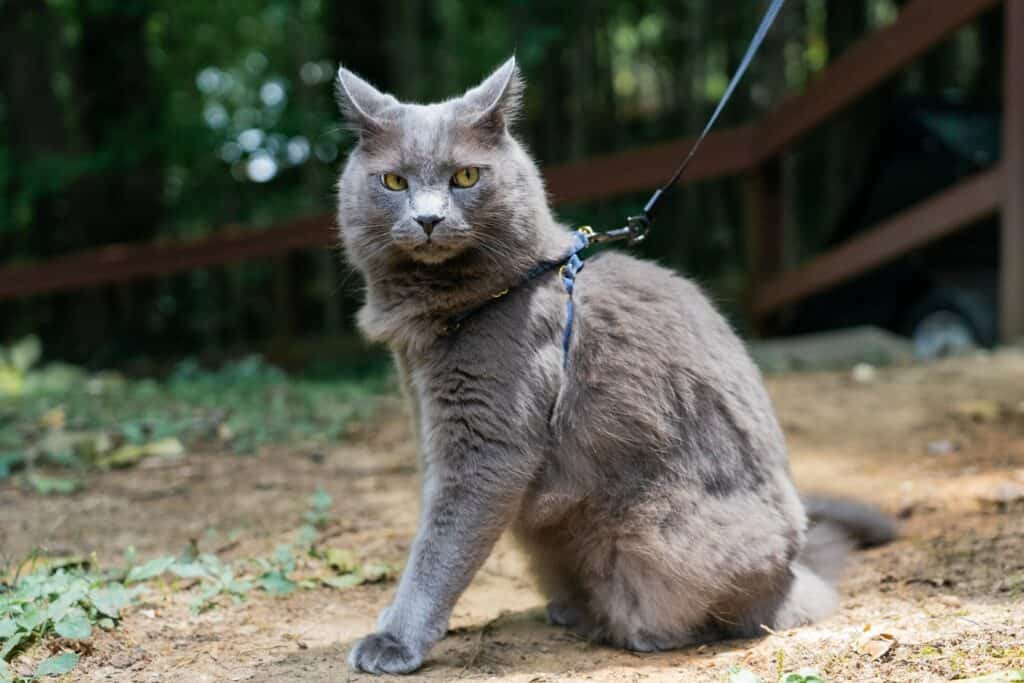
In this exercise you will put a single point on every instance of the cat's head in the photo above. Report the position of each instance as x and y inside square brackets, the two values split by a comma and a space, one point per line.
[429, 184]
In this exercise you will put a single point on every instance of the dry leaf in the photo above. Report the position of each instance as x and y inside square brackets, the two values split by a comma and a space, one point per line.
[978, 410]
[342, 561]
[876, 643]
[53, 419]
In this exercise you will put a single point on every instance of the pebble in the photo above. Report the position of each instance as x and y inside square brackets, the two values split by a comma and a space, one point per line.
[864, 373]
[943, 447]
[1003, 495]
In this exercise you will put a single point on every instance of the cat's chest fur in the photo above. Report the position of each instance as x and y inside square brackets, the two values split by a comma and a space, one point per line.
[501, 368]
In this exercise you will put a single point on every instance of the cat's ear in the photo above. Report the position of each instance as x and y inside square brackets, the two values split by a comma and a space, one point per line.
[496, 102]
[361, 103]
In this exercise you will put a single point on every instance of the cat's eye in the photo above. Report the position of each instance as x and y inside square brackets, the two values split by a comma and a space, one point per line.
[466, 177]
[393, 182]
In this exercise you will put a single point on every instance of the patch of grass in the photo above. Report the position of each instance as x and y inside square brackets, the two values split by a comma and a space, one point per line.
[957, 663]
[61, 417]
[45, 597]
[316, 517]
[303, 565]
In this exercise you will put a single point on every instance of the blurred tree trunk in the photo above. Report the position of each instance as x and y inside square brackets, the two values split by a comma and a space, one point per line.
[845, 24]
[691, 44]
[35, 129]
[115, 91]
[354, 32]
[772, 239]
[122, 200]
[408, 25]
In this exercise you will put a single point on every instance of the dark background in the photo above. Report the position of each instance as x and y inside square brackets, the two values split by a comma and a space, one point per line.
[135, 121]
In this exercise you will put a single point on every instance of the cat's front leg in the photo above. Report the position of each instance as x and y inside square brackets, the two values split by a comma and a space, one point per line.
[470, 495]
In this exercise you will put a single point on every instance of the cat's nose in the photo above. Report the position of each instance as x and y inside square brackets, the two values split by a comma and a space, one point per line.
[428, 222]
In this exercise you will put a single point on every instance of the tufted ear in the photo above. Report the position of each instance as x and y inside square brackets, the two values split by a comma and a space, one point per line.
[496, 102]
[361, 103]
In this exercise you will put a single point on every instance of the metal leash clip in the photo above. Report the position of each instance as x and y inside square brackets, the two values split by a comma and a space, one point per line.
[633, 232]
[638, 226]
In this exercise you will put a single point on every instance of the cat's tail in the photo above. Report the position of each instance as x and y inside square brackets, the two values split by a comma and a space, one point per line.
[836, 528]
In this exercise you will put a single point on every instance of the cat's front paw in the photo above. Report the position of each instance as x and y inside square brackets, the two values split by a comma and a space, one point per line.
[383, 653]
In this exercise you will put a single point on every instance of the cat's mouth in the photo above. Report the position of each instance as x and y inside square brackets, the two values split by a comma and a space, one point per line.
[432, 251]
[438, 247]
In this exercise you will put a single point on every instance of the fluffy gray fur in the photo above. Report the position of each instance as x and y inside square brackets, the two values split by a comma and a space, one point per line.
[646, 477]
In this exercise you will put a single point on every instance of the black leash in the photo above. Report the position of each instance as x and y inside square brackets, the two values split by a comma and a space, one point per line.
[637, 227]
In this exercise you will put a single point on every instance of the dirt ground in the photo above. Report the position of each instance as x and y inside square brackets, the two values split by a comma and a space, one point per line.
[942, 446]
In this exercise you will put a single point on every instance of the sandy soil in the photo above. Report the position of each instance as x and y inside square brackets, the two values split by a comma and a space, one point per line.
[949, 592]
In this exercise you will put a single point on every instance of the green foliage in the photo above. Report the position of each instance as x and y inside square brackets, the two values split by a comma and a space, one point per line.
[62, 598]
[149, 570]
[217, 579]
[802, 676]
[58, 665]
[20, 375]
[53, 485]
[316, 517]
[65, 419]
[274, 579]
[741, 674]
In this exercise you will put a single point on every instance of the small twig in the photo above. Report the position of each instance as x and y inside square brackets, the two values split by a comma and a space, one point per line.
[215, 660]
[227, 546]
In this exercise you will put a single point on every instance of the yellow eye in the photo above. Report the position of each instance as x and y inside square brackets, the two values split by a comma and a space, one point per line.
[466, 177]
[393, 181]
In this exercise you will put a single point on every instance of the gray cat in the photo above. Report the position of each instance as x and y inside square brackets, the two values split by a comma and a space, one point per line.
[642, 469]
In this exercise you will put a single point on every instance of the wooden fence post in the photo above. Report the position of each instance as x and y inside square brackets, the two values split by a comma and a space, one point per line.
[1011, 281]
[766, 248]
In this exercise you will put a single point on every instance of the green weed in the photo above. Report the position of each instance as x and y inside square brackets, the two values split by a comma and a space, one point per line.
[63, 418]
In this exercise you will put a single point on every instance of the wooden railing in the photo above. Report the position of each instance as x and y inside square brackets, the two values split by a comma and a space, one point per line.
[753, 150]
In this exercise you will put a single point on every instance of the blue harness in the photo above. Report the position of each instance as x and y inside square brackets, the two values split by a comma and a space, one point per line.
[570, 268]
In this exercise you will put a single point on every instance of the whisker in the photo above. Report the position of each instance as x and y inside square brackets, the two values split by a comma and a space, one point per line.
[366, 225]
